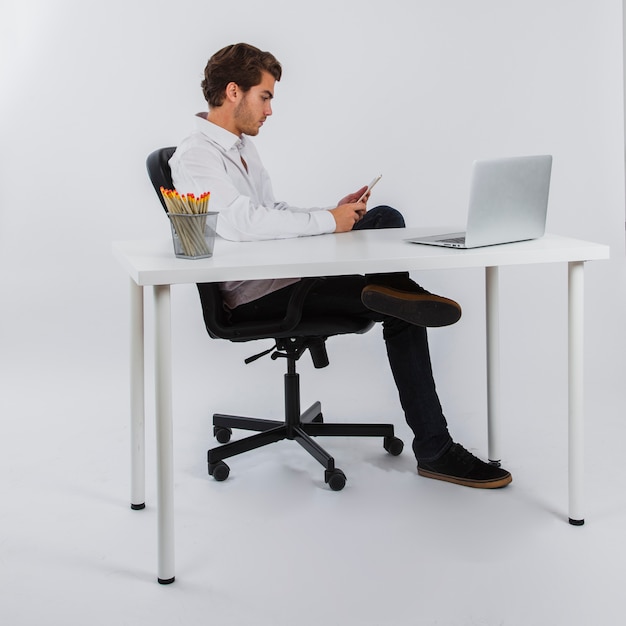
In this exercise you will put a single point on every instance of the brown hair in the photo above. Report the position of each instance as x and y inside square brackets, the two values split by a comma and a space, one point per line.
[239, 63]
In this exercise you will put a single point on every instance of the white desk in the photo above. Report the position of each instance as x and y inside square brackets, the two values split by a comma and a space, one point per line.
[152, 263]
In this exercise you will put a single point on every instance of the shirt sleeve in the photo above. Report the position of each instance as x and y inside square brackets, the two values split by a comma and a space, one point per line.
[241, 217]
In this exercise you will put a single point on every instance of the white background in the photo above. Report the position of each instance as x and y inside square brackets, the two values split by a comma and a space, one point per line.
[415, 90]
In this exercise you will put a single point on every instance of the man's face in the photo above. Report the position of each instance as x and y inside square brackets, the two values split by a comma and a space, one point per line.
[255, 106]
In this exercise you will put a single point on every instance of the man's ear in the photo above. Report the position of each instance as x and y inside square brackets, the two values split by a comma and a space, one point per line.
[232, 91]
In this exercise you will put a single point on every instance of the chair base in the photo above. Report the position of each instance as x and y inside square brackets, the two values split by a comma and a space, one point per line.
[310, 424]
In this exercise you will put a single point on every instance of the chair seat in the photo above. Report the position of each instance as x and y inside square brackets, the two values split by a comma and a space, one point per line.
[319, 327]
[219, 325]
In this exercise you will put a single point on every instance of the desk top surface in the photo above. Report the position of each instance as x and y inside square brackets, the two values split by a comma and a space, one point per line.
[152, 262]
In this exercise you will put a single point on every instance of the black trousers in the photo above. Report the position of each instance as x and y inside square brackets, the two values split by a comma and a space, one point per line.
[407, 345]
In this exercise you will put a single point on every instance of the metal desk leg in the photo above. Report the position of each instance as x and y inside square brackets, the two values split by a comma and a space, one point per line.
[137, 404]
[575, 383]
[493, 364]
[165, 465]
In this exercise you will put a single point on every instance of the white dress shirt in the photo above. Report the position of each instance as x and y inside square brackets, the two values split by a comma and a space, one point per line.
[215, 160]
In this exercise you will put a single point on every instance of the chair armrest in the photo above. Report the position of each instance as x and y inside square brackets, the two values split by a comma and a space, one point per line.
[293, 315]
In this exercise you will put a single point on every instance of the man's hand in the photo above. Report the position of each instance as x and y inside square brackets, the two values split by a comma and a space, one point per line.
[349, 210]
[354, 197]
[347, 215]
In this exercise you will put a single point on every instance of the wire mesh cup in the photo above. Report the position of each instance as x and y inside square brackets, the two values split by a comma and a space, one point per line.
[193, 234]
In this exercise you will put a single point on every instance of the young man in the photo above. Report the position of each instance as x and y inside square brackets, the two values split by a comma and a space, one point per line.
[239, 83]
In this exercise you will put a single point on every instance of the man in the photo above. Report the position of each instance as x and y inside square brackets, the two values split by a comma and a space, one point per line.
[239, 86]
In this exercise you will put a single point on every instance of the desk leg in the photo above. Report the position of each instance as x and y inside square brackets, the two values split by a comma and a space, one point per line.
[575, 383]
[492, 296]
[165, 465]
[137, 404]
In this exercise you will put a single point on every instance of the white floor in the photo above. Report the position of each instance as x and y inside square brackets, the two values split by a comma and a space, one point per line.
[273, 546]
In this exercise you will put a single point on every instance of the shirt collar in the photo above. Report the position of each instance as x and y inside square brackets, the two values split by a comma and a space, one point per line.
[219, 135]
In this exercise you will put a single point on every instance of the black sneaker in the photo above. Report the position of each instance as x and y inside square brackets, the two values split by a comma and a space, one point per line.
[459, 466]
[418, 307]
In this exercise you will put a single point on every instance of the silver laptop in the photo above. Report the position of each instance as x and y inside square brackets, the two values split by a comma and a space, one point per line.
[508, 202]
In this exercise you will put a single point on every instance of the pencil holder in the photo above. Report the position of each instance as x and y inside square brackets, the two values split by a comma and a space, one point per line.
[193, 234]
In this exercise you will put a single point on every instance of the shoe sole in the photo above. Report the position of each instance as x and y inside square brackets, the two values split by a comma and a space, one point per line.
[467, 482]
[433, 312]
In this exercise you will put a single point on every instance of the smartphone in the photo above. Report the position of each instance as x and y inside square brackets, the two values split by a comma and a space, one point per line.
[370, 187]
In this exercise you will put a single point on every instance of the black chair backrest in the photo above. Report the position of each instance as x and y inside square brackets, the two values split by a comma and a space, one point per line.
[159, 171]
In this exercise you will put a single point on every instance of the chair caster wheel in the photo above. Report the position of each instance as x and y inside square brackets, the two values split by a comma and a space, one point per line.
[393, 445]
[222, 433]
[219, 470]
[336, 479]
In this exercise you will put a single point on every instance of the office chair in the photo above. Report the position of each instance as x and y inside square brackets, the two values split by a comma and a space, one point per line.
[292, 336]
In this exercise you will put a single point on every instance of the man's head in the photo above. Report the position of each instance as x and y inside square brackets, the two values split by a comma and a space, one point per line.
[241, 64]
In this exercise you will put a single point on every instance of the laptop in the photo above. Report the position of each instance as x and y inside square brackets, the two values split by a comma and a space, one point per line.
[508, 202]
